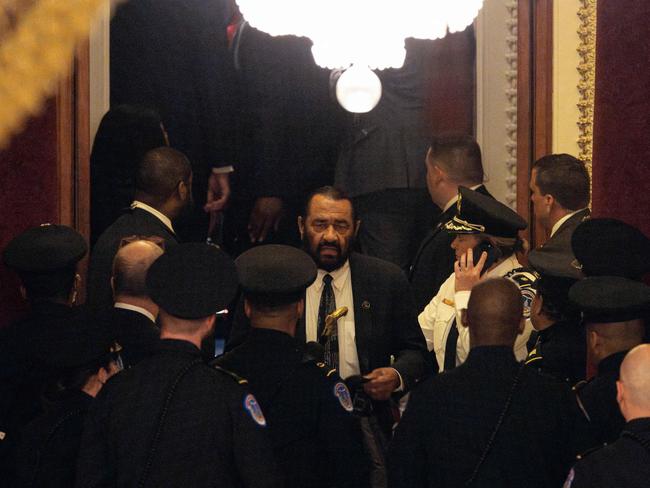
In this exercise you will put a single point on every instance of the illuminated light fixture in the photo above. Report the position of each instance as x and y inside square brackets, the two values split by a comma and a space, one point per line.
[367, 34]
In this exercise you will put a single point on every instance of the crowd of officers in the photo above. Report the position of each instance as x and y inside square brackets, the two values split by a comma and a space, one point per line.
[133, 396]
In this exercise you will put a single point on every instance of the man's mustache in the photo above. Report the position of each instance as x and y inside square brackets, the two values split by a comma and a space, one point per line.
[332, 245]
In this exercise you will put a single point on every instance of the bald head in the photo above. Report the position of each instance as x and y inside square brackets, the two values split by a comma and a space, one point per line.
[494, 313]
[130, 268]
[634, 383]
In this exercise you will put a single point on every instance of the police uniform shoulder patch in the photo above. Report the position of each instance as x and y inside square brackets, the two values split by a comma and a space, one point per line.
[342, 393]
[234, 376]
[526, 280]
[254, 410]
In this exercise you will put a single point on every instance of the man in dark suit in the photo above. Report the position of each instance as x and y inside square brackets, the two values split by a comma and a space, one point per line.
[172, 55]
[163, 193]
[380, 163]
[559, 185]
[491, 421]
[381, 321]
[451, 161]
[287, 137]
[133, 318]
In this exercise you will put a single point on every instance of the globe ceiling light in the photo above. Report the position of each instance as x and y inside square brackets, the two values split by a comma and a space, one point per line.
[364, 33]
[358, 89]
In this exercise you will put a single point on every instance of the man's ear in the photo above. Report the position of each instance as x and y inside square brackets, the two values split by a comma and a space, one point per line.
[182, 189]
[620, 392]
[593, 339]
[300, 307]
[463, 318]
[536, 306]
[113, 286]
[247, 306]
[301, 227]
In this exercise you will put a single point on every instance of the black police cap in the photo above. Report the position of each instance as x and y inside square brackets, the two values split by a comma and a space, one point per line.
[477, 213]
[610, 247]
[192, 280]
[48, 247]
[605, 299]
[73, 342]
[558, 263]
[556, 276]
[275, 269]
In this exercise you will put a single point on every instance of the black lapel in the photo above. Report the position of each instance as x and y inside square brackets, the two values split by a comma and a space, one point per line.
[362, 313]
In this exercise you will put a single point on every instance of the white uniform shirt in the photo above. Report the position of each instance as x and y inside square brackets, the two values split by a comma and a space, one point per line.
[438, 317]
[342, 286]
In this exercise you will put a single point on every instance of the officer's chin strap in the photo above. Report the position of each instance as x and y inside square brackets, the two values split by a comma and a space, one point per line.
[502, 417]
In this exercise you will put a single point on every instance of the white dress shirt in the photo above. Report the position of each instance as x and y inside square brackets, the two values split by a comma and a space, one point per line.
[159, 215]
[559, 223]
[342, 287]
[135, 308]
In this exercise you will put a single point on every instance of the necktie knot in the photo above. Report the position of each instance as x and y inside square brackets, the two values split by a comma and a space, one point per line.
[327, 279]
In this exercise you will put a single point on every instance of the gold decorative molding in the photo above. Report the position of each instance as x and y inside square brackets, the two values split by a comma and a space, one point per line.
[38, 41]
[587, 83]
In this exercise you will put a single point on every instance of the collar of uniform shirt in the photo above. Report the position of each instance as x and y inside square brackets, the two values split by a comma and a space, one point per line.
[338, 276]
[559, 223]
[135, 308]
[455, 199]
[159, 215]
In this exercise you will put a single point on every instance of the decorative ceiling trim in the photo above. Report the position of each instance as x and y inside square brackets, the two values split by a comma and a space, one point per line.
[511, 107]
[587, 83]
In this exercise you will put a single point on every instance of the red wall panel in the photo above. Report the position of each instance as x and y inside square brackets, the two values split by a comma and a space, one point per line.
[621, 168]
[29, 194]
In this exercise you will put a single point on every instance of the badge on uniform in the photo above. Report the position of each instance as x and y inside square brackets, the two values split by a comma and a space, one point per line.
[343, 394]
[253, 408]
[526, 281]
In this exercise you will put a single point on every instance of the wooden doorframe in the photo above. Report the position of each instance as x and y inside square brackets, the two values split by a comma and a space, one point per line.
[73, 148]
[534, 100]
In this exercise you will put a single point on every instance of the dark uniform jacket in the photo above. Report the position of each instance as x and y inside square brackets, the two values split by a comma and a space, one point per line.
[559, 351]
[212, 431]
[625, 463]
[136, 333]
[597, 400]
[451, 417]
[434, 260]
[49, 446]
[385, 321]
[307, 407]
[134, 222]
[22, 374]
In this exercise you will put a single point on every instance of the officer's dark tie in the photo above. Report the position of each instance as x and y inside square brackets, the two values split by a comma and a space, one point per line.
[327, 306]
[450, 347]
